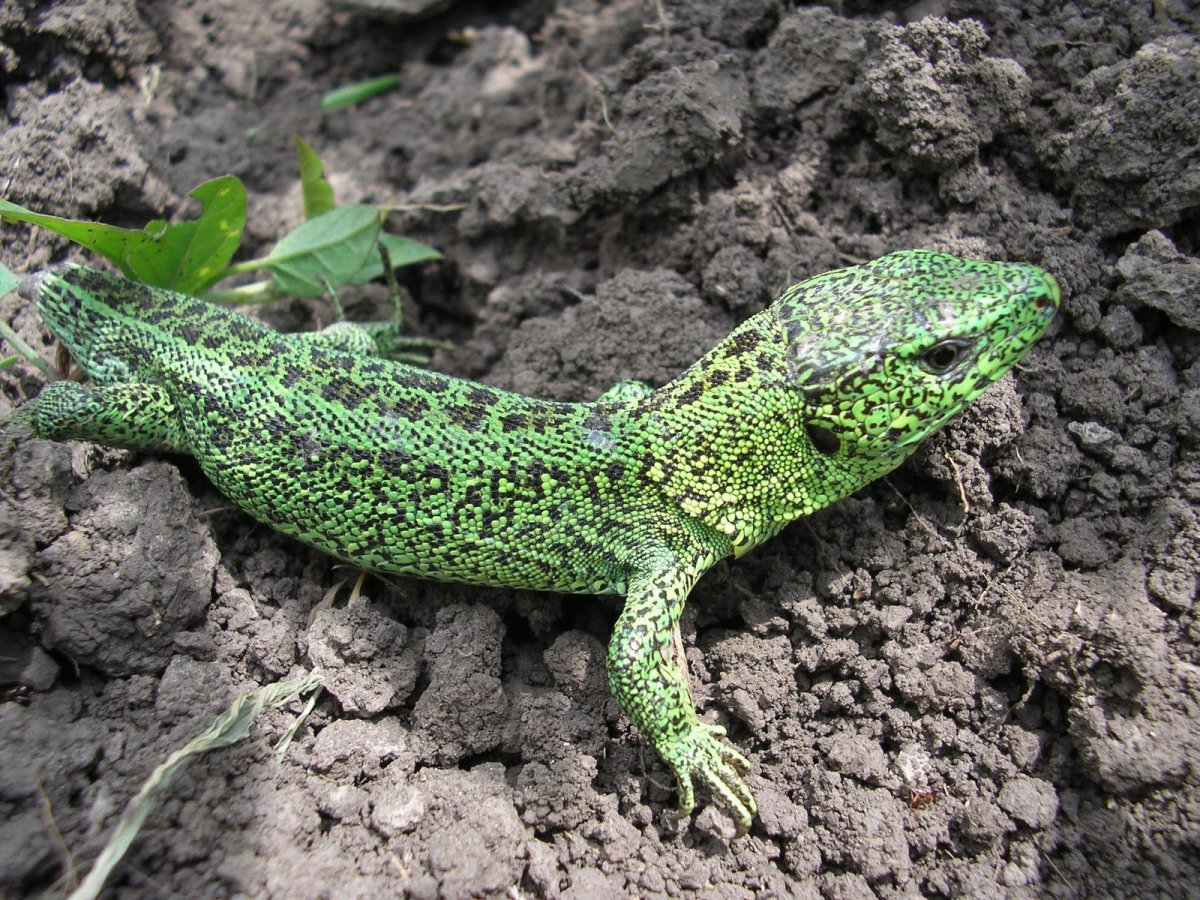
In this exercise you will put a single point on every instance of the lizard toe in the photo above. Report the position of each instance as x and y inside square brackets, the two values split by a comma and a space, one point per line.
[701, 756]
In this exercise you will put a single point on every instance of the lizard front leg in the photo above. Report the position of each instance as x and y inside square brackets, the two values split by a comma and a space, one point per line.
[653, 691]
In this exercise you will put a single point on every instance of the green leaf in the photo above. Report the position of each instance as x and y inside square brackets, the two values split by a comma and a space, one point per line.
[8, 280]
[401, 251]
[333, 246]
[9, 362]
[353, 94]
[107, 240]
[318, 193]
[187, 256]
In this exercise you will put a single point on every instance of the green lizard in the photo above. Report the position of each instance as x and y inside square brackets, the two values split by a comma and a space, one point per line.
[398, 469]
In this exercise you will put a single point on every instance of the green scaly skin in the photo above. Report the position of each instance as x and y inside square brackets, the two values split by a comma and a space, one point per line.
[397, 469]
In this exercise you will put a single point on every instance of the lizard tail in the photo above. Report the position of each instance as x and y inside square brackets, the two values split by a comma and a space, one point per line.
[92, 313]
[65, 311]
[109, 323]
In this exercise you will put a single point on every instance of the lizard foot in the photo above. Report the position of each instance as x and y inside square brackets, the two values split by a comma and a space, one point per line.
[701, 756]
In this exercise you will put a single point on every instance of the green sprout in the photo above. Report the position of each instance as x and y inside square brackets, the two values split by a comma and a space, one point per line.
[334, 246]
[353, 94]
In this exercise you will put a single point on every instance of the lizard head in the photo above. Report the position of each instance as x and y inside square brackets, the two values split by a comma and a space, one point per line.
[886, 353]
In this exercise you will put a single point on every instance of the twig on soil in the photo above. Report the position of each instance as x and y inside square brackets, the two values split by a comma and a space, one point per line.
[785, 218]
[378, 576]
[427, 207]
[837, 567]
[1058, 871]
[594, 84]
[921, 520]
[958, 480]
[330, 595]
[70, 872]
[205, 513]
[399, 866]
[11, 170]
[161, 888]
[572, 293]
[662, 25]
[977, 600]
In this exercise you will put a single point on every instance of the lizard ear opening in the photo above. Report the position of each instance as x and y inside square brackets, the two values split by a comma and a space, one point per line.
[826, 442]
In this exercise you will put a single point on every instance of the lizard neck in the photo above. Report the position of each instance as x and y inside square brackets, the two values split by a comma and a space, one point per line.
[725, 442]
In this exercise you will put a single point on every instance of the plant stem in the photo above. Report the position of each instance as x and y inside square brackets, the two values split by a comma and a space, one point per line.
[257, 292]
[246, 265]
[27, 352]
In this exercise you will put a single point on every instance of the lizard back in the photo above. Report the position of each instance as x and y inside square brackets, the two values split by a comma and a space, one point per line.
[393, 467]
[403, 470]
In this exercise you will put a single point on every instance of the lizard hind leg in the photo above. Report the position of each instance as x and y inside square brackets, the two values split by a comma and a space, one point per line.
[379, 339]
[385, 340]
[390, 343]
[382, 339]
[134, 416]
[653, 691]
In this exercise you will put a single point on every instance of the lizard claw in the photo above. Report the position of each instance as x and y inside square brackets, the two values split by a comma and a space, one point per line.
[700, 756]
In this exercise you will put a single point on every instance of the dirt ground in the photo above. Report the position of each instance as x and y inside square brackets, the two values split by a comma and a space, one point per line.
[979, 677]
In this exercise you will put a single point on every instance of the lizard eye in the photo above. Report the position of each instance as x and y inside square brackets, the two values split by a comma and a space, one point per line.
[944, 356]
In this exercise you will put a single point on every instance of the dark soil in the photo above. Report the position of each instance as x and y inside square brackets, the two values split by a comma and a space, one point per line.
[979, 677]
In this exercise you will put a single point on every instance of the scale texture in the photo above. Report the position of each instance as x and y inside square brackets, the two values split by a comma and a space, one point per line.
[398, 469]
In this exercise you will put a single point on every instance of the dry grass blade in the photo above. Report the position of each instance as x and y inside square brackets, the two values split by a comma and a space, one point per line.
[230, 727]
